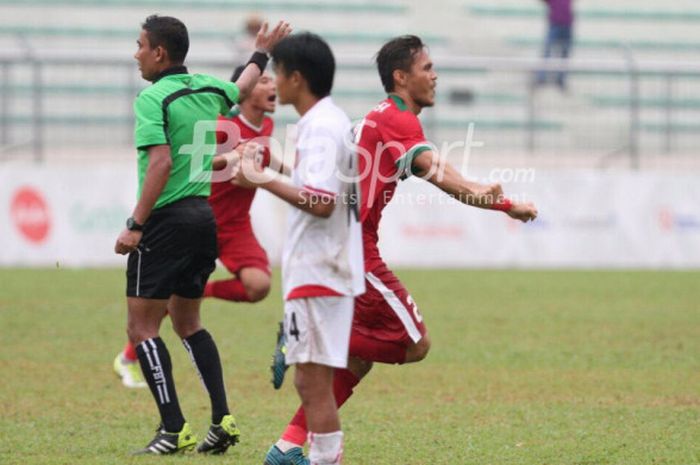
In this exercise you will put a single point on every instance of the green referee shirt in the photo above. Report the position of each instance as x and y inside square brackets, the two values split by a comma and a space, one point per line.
[167, 112]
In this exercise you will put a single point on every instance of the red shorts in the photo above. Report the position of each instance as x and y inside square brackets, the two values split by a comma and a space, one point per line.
[386, 310]
[240, 249]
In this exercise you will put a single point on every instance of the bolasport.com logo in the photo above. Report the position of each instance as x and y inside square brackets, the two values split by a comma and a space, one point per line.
[29, 213]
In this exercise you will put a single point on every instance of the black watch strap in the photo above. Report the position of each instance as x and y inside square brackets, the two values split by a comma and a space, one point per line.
[132, 225]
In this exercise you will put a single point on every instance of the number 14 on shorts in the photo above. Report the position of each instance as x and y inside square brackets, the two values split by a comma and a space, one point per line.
[318, 330]
[290, 325]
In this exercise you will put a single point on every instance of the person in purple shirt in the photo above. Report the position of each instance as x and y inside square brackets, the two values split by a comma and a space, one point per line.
[559, 38]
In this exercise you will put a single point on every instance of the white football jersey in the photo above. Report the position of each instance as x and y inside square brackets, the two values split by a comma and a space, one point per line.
[323, 256]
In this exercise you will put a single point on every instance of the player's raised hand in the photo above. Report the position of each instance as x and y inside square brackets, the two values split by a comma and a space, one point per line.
[266, 40]
[523, 211]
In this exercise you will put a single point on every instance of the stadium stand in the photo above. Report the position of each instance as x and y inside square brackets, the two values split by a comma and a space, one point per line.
[97, 94]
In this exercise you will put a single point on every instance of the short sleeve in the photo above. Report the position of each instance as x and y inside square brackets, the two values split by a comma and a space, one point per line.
[232, 94]
[149, 128]
[404, 140]
[319, 157]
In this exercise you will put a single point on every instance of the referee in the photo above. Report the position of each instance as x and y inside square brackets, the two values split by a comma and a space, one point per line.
[171, 235]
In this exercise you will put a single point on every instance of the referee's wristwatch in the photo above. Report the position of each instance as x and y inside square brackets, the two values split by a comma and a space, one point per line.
[132, 225]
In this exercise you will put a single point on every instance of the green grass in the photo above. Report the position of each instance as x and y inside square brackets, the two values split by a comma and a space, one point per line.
[526, 368]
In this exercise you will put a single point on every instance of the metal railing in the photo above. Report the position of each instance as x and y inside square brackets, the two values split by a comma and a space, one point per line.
[39, 70]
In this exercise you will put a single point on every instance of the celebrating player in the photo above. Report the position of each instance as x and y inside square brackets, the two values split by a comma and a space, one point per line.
[239, 249]
[322, 260]
[387, 325]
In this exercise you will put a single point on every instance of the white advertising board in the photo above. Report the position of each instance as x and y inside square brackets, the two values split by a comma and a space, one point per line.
[71, 215]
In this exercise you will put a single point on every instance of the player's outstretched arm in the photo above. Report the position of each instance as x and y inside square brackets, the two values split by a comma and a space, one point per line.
[437, 171]
[310, 202]
[265, 41]
[429, 166]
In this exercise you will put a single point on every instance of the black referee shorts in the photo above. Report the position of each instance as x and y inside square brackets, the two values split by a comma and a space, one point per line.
[177, 252]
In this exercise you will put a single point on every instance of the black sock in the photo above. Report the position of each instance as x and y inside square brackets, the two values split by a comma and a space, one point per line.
[157, 368]
[205, 357]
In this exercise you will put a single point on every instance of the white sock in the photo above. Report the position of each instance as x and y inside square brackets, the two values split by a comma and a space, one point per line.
[284, 446]
[326, 448]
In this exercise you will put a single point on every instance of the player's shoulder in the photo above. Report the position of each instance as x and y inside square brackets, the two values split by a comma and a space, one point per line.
[230, 117]
[268, 125]
[154, 91]
[329, 117]
[227, 89]
[150, 99]
[328, 109]
[392, 113]
[391, 108]
[207, 80]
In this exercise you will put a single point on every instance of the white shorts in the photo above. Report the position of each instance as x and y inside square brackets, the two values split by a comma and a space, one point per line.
[318, 330]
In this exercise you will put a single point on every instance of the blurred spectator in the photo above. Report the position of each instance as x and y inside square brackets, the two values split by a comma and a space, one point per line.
[558, 41]
[244, 44]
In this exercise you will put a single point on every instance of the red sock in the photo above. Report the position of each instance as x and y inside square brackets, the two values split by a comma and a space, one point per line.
[343, 383]
[129, 352]
[228, 289]
[374, 350]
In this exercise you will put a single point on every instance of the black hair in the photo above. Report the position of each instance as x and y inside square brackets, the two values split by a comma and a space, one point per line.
[169, 33]
[237, 73]
[311, 56]
[398, 53]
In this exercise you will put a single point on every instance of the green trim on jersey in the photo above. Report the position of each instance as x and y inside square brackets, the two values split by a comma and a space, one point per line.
[404, 165]
[399, 102]
[167, 113]
[235, 111]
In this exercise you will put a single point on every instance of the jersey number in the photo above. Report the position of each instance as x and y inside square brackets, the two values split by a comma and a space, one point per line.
[293, 328]
[414, 309]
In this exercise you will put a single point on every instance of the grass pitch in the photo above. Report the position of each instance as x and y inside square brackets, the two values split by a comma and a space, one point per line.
[527, 368]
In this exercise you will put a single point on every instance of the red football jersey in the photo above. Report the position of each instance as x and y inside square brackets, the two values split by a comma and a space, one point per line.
[231, 204]
[389, 138]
